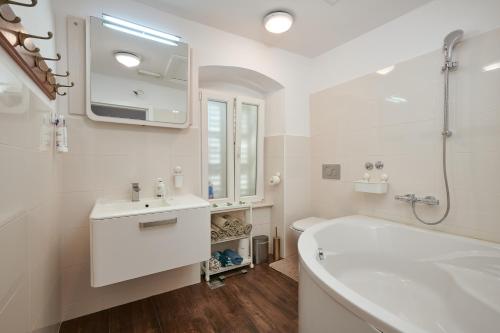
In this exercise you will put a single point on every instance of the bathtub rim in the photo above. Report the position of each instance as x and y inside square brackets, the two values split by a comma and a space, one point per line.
[360, 306]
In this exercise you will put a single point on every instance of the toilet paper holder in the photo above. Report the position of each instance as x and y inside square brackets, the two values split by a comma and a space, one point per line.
[275, 180]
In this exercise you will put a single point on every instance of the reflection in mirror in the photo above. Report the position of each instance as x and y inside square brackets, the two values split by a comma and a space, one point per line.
[137, 75]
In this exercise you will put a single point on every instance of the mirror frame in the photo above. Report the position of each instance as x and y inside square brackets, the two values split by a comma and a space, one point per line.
[91, 115]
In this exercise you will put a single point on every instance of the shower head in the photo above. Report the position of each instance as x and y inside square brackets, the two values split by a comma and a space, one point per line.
[449, 42]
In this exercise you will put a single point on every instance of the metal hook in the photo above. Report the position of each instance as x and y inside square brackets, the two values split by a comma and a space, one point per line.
[72, 84]
[40, 59]
[57, 58]
[57, 86]
[16, 19]
[21, 38]
[10, 2]
[62, 75]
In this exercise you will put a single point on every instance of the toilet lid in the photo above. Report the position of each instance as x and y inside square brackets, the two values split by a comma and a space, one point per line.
[302, 225]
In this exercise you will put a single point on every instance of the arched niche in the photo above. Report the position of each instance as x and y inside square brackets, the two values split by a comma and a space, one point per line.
[248, 82]
[249, 79]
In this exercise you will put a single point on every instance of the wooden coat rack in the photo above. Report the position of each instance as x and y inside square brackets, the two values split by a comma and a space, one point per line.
[19, 45]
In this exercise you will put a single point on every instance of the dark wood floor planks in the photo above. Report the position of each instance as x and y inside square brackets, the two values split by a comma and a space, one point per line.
[135, 317]
[96, 322]
[262, 300]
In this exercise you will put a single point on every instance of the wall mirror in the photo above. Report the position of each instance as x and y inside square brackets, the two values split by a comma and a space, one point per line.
[136, 75]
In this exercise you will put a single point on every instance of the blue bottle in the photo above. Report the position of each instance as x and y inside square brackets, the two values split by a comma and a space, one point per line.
[210, 191]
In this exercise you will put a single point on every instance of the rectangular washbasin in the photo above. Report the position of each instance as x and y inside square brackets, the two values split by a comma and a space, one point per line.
[105, 209]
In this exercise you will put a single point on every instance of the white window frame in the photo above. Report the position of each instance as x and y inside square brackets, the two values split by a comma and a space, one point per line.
[234, 104]
[229, 100]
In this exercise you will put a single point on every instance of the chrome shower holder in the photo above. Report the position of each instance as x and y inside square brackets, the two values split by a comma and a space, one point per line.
[449, 65]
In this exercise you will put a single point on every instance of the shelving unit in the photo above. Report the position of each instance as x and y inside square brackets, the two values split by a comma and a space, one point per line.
[244, 211]
[229, 239]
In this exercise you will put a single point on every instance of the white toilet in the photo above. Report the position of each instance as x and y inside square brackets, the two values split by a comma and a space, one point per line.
[301, 225]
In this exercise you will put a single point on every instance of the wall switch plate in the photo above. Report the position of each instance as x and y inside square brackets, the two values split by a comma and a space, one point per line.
[331, 171]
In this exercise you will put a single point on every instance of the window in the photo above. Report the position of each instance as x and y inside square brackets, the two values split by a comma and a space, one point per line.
[233, 147]
[217, 148]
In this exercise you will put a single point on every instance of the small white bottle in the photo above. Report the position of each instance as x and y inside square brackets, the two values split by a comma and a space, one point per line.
[160, 189]
[178, 177]
[366, 177]
[61, 136]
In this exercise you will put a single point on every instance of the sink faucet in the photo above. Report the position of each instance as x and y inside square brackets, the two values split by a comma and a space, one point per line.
[135, 191]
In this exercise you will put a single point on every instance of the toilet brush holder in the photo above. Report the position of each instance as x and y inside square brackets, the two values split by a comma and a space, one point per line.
[276, 246]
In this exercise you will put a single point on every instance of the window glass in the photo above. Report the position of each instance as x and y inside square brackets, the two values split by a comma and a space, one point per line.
[248, 128]
[217, 149]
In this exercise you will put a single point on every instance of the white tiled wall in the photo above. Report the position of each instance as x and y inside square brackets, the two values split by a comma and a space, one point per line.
[353, 123]
[273, 163]
[288, 155]
[297, 187]
[29, 227]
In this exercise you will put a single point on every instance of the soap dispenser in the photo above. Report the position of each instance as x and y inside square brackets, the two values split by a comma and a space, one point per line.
[160, 188]
[178, 177]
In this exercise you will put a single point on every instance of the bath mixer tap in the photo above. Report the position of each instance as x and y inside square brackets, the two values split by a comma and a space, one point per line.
[429, 200]
[135, 191]
[412, 198]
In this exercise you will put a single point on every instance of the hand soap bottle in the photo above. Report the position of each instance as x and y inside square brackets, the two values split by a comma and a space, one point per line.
[160, 190]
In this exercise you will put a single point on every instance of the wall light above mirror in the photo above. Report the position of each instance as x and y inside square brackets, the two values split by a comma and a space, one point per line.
[136, 75]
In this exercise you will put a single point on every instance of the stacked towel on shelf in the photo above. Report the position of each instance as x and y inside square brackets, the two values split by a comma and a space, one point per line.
[227, 226]
[222, 258]
[235, 258]
[214, 264]
[221, 221]
[217, 233]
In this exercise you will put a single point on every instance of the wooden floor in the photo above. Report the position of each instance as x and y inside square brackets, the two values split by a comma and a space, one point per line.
[262, 300]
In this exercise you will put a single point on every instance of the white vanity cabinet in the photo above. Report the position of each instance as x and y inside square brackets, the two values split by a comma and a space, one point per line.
[142, 242]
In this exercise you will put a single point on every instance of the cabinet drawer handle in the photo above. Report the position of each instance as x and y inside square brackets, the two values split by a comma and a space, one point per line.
[144, 225]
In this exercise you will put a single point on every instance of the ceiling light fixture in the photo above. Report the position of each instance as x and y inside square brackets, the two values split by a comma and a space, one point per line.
[278, 22]
[127, 59]
[396, 99]
[491, 67]
[385, 71]
[139, 30]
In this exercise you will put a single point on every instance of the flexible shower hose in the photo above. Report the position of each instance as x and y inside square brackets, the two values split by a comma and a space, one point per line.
[448, 203]
[445, 134]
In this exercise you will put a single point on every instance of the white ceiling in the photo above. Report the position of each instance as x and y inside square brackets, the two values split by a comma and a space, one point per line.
[320, 25]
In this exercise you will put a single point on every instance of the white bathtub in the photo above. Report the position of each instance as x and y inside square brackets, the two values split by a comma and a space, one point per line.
[380, 276]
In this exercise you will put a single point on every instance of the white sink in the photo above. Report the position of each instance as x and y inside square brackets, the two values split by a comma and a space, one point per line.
[105, 209]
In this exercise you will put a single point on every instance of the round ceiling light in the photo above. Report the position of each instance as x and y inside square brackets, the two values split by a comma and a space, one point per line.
[127, 59]
[278, 22]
